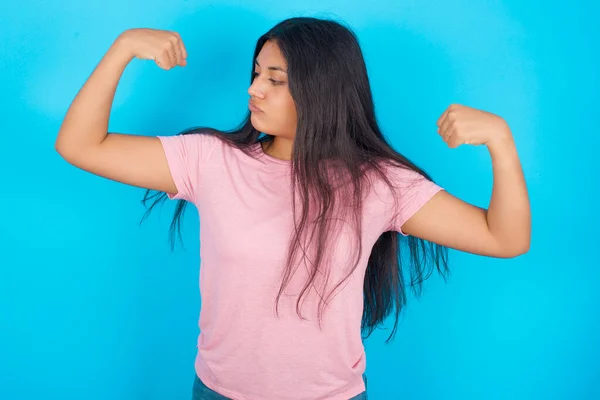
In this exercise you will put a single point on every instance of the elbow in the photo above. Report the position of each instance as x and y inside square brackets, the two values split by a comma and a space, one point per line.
[66, 150]
[63, 153]
[59, 146]
[64, 144]
[516, 250]
[519, 252]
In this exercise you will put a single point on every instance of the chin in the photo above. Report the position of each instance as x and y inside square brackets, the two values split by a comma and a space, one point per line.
[262, 127]
[258, 125]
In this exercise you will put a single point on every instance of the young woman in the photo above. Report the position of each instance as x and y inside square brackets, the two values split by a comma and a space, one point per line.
[304, 208]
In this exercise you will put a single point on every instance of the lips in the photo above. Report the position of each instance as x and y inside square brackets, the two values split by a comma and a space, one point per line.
[253, 107]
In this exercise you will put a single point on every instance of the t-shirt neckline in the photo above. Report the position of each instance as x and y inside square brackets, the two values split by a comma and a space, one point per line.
[271, 158]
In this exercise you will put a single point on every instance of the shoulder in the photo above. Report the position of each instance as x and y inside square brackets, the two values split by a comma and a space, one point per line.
[194, 142]
[399, 176]
[407, 186]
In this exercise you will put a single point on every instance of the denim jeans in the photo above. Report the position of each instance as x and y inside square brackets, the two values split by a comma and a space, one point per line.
[201, 392]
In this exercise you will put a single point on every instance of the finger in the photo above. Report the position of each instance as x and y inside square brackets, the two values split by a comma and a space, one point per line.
[182, 48]
[446, 125]
[445, 135]
[162, 62]
[174, 54]
[442, 117]
[169, 56]
[453, 141]
[175, 57]
[183, 54]
[177, 54]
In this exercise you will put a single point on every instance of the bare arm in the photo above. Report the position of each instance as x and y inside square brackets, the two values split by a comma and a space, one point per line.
[83, 139]
[504, 229]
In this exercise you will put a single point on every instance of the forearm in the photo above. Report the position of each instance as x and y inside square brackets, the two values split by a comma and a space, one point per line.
[509, 215]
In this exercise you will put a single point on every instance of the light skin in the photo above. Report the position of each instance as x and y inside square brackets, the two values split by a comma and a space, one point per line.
[502, 230]
[270, 92]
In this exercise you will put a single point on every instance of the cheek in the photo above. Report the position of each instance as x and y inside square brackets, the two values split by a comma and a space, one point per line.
[290, 111]
[284, 111]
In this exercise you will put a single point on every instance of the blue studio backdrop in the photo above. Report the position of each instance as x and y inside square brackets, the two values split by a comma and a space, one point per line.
[95, 306]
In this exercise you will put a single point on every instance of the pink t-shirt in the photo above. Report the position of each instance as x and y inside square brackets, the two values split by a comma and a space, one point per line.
[244, 351]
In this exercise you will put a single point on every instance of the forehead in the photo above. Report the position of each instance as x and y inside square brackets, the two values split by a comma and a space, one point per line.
[270, 54]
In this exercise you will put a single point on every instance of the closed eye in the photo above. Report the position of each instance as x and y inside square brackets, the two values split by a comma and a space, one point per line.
[273, 81]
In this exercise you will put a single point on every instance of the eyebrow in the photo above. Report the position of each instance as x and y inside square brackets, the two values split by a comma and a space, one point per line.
[275, 68]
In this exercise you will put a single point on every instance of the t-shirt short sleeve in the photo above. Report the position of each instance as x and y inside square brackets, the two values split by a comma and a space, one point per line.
[413, 191]
[187, 156]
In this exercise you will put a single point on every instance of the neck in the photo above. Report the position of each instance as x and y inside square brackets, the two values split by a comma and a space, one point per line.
[279, 147]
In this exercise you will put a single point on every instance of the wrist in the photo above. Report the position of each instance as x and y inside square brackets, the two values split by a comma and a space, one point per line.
[503, 151]
[503, 138]
[121, 47]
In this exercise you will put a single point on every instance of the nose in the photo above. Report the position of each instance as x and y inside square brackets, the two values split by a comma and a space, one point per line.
[255, 91]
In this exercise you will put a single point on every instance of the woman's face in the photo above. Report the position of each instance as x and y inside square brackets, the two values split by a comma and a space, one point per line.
[271, 104]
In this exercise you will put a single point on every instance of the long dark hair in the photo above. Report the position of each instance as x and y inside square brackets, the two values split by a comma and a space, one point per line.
[336, 121]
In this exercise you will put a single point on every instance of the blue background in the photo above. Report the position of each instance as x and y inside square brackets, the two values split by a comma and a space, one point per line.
[95, 306]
